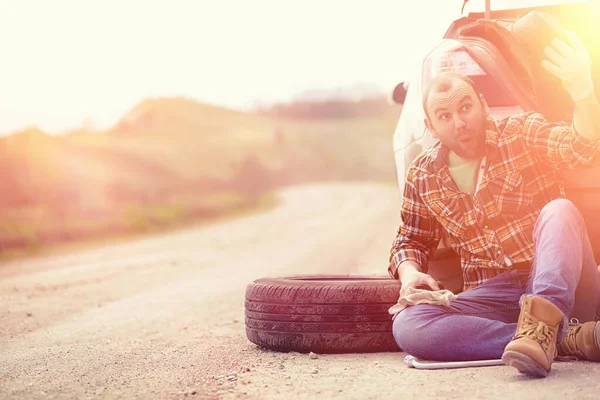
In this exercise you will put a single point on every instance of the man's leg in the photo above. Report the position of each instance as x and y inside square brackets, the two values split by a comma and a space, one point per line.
[476, 326]
[564, 270]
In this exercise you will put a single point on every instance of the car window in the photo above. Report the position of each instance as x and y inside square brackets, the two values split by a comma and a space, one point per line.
[450, 55]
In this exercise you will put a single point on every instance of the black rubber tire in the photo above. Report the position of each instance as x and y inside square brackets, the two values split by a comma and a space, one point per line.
[322, 313]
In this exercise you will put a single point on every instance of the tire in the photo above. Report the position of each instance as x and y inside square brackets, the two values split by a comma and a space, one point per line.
[322, 313]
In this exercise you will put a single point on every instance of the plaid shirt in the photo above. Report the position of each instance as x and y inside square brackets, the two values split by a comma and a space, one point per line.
[492, 229]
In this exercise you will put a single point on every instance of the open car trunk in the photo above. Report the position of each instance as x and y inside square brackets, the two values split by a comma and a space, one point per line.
[520, 35]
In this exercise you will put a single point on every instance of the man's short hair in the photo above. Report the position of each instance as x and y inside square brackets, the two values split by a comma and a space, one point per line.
[442, 82]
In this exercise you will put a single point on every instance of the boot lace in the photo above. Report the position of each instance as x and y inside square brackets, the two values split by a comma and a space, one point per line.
[567, 349]
[536, 330]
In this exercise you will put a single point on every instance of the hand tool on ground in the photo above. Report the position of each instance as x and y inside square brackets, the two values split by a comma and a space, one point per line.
[413, 362]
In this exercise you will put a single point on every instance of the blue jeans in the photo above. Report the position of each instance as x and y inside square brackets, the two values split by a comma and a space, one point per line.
[481, 321]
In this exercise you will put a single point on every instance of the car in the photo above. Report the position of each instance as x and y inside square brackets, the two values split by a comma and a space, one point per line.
[497, 54]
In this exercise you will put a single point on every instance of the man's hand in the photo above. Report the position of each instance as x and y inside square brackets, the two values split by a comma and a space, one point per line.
[570, 63]
[417, 279]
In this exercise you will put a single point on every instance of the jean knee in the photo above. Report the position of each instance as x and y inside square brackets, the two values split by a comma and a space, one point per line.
[561, 208]
[409, 327]
[559, 213]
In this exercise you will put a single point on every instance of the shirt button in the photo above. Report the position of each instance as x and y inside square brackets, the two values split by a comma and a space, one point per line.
[499, 251]
[485, 226]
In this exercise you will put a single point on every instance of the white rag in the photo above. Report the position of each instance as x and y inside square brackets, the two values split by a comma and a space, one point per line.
[422, 296]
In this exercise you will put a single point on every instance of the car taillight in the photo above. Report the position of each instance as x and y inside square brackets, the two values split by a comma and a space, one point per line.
[450, 56]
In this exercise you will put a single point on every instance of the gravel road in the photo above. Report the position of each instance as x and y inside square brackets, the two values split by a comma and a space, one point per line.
[163, 317]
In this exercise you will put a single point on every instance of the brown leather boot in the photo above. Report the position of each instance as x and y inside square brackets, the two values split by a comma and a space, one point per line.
[533, 347]
[581, 343]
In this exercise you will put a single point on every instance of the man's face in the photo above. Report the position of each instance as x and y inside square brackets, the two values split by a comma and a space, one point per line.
[457, 117]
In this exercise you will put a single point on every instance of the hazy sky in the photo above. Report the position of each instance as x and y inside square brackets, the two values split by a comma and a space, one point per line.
[68, 60]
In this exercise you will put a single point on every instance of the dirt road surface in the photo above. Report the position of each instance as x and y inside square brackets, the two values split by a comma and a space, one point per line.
[163, 317]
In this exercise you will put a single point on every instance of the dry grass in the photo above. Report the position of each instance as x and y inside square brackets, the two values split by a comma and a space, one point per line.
[171, 161]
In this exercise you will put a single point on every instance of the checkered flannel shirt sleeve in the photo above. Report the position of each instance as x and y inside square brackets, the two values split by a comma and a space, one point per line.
[419, 232]
[561, 145]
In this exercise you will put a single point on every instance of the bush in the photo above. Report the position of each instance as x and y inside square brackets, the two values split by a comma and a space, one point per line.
[251, 178]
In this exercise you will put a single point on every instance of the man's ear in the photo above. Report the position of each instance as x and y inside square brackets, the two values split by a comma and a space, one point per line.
[429, 127]
[484, 104]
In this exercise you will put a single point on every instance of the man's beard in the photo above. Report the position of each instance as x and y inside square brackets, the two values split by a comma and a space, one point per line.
[475, 147]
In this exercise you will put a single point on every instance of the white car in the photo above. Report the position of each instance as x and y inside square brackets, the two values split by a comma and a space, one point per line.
[497, 54]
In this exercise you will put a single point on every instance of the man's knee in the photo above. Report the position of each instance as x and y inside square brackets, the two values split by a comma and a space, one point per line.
[559, 211]
[409, 327]
[561, 208]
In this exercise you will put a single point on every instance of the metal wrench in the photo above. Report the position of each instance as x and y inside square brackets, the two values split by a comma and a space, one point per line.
[413, 362]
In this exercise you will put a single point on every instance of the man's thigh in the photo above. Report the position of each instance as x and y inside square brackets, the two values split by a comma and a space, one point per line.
[497, 298]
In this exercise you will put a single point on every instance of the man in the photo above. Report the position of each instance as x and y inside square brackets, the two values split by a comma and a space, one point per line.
[494, 189]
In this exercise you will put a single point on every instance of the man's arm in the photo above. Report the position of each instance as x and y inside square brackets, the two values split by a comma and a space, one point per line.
[562, 145]
[418, 235]
[571, 63]
[586, 118]
[578, 144]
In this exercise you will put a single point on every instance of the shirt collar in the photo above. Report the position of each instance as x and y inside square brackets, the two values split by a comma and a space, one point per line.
[491, 144]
